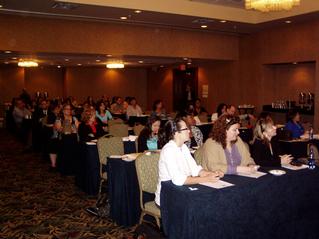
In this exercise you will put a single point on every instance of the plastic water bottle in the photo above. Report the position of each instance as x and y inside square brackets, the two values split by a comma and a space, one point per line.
[311, 160]
[310, 134]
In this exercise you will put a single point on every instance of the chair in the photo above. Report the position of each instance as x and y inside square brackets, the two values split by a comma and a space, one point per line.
[147, 175]
[106, 147]
[115, 121]
[198, 155]
[137, 129]
[118, 130]
[203, 117]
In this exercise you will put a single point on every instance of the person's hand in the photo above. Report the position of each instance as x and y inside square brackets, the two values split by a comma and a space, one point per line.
[285, 159]
[247, 169]
[220, 173]
[210, 178]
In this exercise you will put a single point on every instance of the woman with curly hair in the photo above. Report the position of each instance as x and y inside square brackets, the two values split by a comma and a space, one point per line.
[225, 151]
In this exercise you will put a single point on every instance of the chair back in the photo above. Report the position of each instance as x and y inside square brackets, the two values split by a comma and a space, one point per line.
[147, 171]
[118, 130]
[198, 155]
[138, 128]
[115, 121]
[203, 117]
[108, 146]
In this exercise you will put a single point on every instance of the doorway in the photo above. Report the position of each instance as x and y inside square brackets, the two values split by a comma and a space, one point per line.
[185, 83]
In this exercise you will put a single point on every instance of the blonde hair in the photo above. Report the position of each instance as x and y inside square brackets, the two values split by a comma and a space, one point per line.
[260, 128]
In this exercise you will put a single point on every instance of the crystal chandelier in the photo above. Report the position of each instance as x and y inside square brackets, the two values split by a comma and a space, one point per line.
[27, 64]
[271, 5]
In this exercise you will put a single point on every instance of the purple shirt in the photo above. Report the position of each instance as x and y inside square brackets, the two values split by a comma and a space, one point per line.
[233, 159]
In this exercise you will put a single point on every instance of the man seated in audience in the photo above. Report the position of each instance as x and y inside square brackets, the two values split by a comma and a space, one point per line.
[117, 106]
[133, 108]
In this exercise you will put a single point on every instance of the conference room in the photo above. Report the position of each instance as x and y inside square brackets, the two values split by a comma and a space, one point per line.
[92, 93]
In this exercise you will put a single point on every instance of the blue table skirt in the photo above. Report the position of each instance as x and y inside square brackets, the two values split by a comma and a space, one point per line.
[268, 207]
[88, 176]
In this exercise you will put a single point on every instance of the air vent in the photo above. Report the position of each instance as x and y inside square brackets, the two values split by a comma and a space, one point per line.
[64, 6]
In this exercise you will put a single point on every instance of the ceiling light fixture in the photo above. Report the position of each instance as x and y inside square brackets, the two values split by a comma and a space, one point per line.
[203, 26]
[97, 60]
[287, 21]
[123, 18]
[140, 62]
[271, 5]
[7, 52]
[79, 64]
[222, 21]
[109, 55]
[66, 59]
[137, 11]
[14, 58]
[28, 64]
[58, 66]
[1, 6]
[115, 65]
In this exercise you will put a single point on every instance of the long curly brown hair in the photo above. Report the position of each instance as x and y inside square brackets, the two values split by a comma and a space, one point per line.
[222, 124]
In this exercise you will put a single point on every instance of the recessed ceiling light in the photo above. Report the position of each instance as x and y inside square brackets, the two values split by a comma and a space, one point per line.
[161, 66]
[123, 18]
[140, 62]
[1, 6]
[79, 64]
[189, 63]
[287, 21]
[7, 52]
[137, 11]
[58, 66]
[97, 60]
[109, 55]
[222, 21]
[66, 59]
[185, 58]
[14, 58]
[203, 26]
[295, 63]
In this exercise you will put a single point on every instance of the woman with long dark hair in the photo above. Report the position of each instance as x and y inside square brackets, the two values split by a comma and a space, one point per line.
[149, 138]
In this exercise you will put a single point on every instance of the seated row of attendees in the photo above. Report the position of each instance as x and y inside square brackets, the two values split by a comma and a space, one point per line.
[223, 153]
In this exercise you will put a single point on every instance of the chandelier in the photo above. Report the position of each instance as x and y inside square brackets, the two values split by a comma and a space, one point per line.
[115, 65]
[271, 5]
[27, 64]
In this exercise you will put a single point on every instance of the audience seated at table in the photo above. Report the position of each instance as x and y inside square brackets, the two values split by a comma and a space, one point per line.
[196, 136]
[293, 124]
[89, 129]
[149, 138]
[117, 105]
[68, 128]
[176, 162]
[102, 114]
[198, 108]
[221, 109]
[265, 148]
[226, 151]
[158, 109]
[133, 108]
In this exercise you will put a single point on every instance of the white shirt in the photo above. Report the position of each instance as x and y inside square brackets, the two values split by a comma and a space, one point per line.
[176, 164]
[131, 111]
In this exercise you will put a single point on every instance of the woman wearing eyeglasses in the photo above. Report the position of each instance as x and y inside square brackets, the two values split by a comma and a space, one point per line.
[225, 151]
[265, 150]
[176, 162]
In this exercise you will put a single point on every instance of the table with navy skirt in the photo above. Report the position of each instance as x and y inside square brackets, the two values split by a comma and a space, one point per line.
[88, 176]
[271, 206]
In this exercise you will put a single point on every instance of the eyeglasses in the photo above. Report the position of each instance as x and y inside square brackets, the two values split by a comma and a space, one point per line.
[183, 129]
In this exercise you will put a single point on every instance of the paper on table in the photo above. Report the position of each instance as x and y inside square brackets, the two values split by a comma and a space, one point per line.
[218, 185]
[130, 157]
[292, 167]
[252, 175]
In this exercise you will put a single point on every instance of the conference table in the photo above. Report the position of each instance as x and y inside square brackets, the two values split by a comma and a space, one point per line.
[271, 206]
[88, 177]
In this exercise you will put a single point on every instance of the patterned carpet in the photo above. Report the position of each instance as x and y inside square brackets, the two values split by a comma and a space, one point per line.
[36, 203]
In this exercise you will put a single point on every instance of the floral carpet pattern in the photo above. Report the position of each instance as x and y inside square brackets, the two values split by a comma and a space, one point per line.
[37, 203]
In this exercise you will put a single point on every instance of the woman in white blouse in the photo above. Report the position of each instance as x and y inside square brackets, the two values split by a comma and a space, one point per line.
[176, 162]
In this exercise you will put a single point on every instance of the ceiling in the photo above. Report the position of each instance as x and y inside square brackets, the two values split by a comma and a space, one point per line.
[224, 16]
